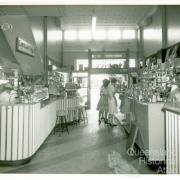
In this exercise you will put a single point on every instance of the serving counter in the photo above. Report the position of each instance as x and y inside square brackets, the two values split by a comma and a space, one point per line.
[150, 122]
[149, 119]
[24, 128]
[172, 132]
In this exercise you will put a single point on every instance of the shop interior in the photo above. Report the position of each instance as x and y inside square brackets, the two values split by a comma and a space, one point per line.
[89, 89]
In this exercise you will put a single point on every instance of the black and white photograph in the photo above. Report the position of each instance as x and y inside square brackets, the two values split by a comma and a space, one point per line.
[90, 88]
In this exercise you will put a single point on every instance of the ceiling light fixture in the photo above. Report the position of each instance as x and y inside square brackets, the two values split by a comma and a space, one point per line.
[93, 23]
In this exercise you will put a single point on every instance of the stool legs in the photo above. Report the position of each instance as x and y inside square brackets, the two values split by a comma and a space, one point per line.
[62, 125]
[83, 113]
[66, 125]
[57, 124]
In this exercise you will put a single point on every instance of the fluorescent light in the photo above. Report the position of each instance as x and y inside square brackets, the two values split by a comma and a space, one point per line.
[93, 23]
[114, 34]
[70, 35]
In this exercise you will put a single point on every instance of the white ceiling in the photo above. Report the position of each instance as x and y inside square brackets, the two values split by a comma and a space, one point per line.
[80, 16]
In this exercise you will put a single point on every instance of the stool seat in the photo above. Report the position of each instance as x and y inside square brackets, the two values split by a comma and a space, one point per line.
[81, 107]
[72, 108]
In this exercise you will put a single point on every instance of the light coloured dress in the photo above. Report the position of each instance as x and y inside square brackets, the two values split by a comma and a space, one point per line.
[112, 100]
[103, 101]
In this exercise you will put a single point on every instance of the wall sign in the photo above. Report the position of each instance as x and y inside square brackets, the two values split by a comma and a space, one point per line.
[24, 47]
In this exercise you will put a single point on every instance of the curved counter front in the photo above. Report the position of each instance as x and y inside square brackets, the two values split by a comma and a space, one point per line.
[23, 129]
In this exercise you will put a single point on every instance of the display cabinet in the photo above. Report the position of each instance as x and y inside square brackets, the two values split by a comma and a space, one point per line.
[81, 78]
[56, 83]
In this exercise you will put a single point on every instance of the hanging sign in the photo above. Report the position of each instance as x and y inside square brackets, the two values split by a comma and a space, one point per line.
[108, 56]
[24, 47]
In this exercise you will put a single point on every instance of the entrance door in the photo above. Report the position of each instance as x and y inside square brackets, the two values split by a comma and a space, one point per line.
[96, 83]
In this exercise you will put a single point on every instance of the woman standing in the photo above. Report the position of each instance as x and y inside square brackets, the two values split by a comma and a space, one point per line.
[102, 105]
[112, 101]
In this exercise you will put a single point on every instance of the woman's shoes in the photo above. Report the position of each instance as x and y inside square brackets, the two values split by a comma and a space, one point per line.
[106, 121]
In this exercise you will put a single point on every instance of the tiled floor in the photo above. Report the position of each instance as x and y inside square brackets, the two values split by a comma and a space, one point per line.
[84, 151]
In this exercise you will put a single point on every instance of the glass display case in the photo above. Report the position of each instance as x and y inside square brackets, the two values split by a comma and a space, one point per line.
[56, 83]
[81, 78]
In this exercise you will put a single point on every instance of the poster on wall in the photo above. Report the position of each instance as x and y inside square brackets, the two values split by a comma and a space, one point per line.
[24, 47]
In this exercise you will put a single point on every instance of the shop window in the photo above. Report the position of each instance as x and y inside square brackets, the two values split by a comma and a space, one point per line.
[81, 64]
[84, 35]
[132, 63]
[99, 35]
[152, 34]
[114, 34]
[128, 34]
[54, 35]
[70, 35]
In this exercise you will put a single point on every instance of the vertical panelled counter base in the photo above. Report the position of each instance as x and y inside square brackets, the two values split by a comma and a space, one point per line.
[150, 122]
[24, 127]
[172, 134]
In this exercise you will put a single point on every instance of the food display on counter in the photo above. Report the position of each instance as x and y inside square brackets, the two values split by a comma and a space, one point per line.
[32, 94]
[56, 83]
[153, 86]
[157, 79]
[71, 89]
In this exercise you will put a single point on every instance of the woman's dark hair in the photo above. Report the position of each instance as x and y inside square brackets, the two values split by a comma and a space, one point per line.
[113, 80]
[105, 82]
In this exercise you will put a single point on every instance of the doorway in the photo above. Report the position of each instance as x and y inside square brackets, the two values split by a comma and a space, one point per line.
[96, 83]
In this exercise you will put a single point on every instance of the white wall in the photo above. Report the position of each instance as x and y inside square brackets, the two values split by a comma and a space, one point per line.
[152, 34]
[173, 24]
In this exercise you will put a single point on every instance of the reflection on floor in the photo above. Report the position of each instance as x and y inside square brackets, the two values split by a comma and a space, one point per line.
[88, 149]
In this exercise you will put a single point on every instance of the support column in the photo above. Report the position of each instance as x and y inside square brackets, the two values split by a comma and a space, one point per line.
[164, 27]
[141, 45]
[89, 80]
[127, 58]
[137, 53]
[45, 50]
[62, 49]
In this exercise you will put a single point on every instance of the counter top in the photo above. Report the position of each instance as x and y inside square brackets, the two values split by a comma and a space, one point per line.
[16, 104]
[145, 103]
[172, 107]
[47, 101]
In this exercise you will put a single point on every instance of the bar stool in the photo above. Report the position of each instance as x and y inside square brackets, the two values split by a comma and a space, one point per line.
[61, 122]
[61, 114]
[82, 114]
[72, 115]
